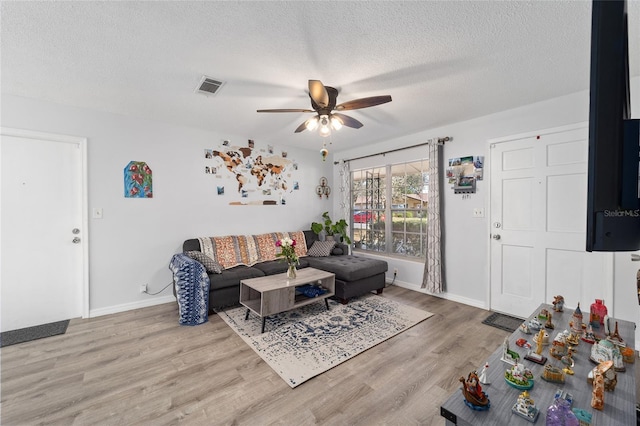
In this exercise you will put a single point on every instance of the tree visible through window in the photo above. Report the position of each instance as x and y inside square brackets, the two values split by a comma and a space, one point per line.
[397, 227]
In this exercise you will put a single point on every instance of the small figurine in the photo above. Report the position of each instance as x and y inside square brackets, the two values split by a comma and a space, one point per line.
[474, 397]
[543, 315]
[549, 324]
[535, 324]
[563, 394]
[542, 337]
[615, 337]
[584, 417]
[559, 346]
[537, 356]
[523, 343]
[558, 303]
[628, 355]
[604, 350]
[597, 394]
[519, 377]
[589, 336]
[525, 407]
[568, 361]
[609, 374]
[606, 324]
[573, 339]
[509, 356]
[525, 328]
[576, 322]
[597, 313]
[483, 375]
[553, 374]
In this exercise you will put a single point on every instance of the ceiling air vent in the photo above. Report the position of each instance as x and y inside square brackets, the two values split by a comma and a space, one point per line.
[208, 86]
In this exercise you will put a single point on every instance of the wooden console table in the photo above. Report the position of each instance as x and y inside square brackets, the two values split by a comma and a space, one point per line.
[619, 405]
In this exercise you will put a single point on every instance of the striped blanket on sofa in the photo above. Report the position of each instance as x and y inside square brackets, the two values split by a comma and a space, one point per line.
[234, 250]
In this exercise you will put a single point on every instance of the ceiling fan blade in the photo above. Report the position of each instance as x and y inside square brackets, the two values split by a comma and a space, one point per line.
[285, 110]
[318, 93]
[363, 103]
[348, 121]
[301, 127]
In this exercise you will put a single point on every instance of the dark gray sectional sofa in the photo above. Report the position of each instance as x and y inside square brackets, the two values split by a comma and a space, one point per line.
[354, 275]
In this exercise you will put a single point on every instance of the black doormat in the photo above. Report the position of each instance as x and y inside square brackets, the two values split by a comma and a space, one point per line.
[32, 333]
[504, 322]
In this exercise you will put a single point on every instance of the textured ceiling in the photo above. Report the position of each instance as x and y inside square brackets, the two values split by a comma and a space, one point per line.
[442, 62]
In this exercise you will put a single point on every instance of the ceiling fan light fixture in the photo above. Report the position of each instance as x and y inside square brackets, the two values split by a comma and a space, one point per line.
[311, 123]
[325, 131]
[336, 123]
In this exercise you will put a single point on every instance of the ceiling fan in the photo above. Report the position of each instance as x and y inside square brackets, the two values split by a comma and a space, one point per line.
[323, 102]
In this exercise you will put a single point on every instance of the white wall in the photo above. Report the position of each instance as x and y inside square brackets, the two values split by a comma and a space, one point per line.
[134, 242]
[466, 252]
[132, 245]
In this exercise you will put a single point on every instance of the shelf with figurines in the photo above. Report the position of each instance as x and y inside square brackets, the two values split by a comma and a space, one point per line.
[563, 344]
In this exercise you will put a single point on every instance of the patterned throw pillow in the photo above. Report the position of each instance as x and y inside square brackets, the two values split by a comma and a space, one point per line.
[209, 264]
[321, 248]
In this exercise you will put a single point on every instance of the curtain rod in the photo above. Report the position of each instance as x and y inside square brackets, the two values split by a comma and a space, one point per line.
[440, 141]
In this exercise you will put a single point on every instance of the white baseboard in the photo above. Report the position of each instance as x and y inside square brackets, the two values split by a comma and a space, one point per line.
[454, 298]
[130, 306]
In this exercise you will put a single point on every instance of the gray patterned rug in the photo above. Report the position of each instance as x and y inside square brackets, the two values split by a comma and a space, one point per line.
[305, 342]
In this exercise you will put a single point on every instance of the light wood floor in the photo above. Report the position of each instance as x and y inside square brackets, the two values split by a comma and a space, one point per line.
[141, 367]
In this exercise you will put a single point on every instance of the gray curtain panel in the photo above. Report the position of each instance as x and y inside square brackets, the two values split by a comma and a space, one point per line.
[345, 191]
[432, 277]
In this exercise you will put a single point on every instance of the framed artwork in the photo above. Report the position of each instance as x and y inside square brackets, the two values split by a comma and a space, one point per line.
[138, 180]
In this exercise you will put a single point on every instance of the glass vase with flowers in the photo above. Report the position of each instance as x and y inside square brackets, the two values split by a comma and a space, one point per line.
[288, 253]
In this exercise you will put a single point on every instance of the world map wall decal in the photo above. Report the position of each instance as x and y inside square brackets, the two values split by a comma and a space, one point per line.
[259, 177]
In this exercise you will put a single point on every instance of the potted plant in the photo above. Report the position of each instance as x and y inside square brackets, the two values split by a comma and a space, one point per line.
[332, 229]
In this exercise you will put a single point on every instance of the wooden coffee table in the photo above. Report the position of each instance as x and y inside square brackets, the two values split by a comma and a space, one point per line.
[276, 293]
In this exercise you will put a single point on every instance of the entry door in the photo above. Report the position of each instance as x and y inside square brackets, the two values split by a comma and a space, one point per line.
[41, 224]
[627, 290]
[538, 223]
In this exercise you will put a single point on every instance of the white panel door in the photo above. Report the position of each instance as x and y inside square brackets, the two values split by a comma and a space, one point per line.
[42, 256]
[626, 296]
[538, 222]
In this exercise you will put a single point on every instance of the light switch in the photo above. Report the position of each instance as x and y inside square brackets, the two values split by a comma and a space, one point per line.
[97, 213]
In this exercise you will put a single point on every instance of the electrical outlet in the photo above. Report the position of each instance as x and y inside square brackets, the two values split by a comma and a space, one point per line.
[97, 213]
[143, 288]
[478, 212]
[395, 271]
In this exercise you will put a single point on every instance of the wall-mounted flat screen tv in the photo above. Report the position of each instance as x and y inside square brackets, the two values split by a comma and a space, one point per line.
[613, 207]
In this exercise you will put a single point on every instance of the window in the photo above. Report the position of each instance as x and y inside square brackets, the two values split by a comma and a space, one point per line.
[397, 192]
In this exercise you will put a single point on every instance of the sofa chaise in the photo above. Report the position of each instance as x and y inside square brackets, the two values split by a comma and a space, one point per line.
[354, 275]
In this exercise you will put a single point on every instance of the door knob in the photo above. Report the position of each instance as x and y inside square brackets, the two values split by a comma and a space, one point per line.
[76, 240]
[496, 236]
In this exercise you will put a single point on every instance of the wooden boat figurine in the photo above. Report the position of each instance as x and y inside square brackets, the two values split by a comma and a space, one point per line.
[473, 394]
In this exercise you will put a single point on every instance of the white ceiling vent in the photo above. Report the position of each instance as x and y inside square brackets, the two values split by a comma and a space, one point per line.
[208, 86]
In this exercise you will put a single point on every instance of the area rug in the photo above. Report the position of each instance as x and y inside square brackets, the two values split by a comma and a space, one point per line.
[307, 341]
[503, 322]
[22, 335]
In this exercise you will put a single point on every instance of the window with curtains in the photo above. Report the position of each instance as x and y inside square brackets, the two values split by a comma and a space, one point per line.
[389, 208]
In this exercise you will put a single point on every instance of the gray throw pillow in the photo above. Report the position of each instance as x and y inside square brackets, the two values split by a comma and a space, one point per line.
[209, 264]
[321, 248]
